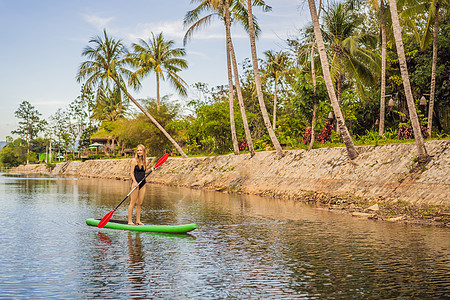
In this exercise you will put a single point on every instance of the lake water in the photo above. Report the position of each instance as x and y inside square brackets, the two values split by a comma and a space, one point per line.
[245, 247]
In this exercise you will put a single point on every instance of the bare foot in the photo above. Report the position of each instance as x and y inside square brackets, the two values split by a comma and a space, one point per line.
[131, 223]
[140, 223]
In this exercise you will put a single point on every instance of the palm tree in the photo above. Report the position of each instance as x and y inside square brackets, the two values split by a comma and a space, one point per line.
[231, 104]
[435, 5]
[307, 52]
[193, 17]
[106, 65]
[351, 150]
[222, 10]
[277, 67]
[350, 55]
[433, 17]
[158, 55]
[421, 150]
[231, 53]
[380, 9]
[314, 80]
[258, 82]
[109, 105]
[383, 68]
[431, 32]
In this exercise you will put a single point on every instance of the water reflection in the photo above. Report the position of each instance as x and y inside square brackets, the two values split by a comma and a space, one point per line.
[244, 247]
[136, 272]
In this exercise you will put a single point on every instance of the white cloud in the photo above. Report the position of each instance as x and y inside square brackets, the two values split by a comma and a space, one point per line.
[175, 30]
[98, 22]
[170, 29]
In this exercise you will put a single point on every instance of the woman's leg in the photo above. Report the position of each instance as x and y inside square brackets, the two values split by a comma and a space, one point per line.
[133, 197]
[139, 201]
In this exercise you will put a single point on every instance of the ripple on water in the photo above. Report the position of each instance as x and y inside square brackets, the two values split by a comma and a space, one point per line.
[244, 247]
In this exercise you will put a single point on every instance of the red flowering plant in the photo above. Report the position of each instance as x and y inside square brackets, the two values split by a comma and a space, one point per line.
[307, 136]
[325, 135]
[242, 145]
[407, 132]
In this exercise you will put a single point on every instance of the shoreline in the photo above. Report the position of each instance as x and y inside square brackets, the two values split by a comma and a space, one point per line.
[383, 183]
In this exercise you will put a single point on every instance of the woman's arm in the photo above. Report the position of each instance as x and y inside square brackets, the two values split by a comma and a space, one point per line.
[133, 165]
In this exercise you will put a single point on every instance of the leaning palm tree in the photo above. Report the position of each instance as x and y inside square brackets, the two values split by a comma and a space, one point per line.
[421, 150]
[158, 56]
[351, 150]
[106, 65]
[221, 9]
[277, 67]
[259, 92]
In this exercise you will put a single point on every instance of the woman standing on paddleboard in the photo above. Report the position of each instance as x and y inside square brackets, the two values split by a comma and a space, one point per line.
[138, 167]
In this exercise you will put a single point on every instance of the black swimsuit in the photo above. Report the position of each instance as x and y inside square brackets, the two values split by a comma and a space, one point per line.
[139, 174]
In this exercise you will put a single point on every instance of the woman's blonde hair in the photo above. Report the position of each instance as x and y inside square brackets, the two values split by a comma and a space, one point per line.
[141, 161]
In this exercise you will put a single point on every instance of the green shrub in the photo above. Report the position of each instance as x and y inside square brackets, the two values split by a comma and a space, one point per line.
[95, 156]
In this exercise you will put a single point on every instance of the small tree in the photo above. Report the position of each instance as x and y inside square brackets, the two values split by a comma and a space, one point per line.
[59, 129]
[14, 153]
[30, 123]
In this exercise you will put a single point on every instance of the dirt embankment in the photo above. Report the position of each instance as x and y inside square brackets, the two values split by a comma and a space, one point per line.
[384, 182]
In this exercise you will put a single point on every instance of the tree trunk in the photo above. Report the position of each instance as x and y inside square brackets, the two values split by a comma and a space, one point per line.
[314, 80]
[258, 82]
[313, 135]
[154, 122]
[28, 140]
[339, 96]
[230, 95]
[231, 102]
[433, 69]
[230, 81]
[248, 136]
[421, 150]
[275, 100]
[351, 150]
[157, 91]
[383, 70]
[50, 151]
[237, 83]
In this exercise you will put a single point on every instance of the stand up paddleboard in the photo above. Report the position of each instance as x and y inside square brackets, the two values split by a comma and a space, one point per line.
[123, 225]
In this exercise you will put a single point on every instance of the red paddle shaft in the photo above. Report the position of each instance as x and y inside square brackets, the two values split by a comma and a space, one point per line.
[108, 216]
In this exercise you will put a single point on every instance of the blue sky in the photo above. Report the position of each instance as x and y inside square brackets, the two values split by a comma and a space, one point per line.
[42, 41]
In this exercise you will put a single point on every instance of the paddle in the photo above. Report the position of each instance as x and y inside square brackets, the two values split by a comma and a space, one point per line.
[108, 216]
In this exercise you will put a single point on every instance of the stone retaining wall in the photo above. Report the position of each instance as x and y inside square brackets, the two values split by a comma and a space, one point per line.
[383, 173]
